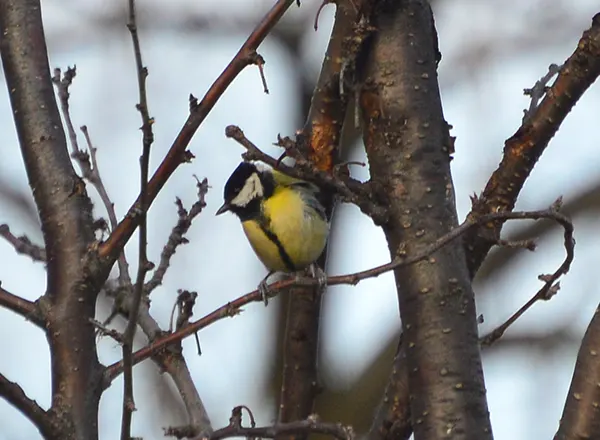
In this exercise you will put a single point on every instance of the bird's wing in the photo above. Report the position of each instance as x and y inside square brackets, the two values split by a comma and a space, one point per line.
[284, 179]
[311, 193]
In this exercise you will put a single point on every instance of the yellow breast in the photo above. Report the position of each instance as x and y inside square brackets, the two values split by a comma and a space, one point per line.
[298, 229]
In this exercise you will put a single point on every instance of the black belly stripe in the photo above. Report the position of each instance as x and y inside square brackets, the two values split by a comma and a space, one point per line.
[282, 253]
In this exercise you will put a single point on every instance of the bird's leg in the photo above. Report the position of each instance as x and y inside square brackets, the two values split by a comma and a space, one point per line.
[320, 275]
[264, 289]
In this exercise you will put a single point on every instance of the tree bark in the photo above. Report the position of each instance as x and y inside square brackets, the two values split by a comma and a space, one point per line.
[322, 133]
[581, 415]
[66, 216]
[407, 143]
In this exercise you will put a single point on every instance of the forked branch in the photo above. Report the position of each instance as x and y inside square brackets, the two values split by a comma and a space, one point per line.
[526, 146]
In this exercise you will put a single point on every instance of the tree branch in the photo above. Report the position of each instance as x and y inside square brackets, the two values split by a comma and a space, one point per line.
[87, 159]
[298, 428]
[23, 244]
[15, 395]
[320, 141]
[408, 143]
[170, 360]
[349, 189]
[199, 422]
[392, 419]
[540, 125]
[66, 217]
[550, 287]
[177, 236]
[173, 362]
[21, 306]
[525, 147]
[143, 264]
[233, 308]
[111, 248]
[581, 415]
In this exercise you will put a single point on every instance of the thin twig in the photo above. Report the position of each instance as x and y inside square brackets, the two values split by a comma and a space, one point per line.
[538, 91]
[177, 236]
[103, 330]
[89, 170]
[323, 4]
[233, 308]
[23, 244]
[27, 309]
[143, 264]
[260, 63]
[176, 155]
[62, 84]
[311, 425]
[530, 245]
[184, 306]
[95, 179]
[550, 287]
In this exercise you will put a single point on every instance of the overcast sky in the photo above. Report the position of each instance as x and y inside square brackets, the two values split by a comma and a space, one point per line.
[483, 100]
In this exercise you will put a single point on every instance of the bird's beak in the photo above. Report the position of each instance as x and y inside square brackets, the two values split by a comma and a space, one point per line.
[226, 207]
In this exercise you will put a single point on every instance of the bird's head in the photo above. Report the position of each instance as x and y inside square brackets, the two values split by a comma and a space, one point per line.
[245, 189]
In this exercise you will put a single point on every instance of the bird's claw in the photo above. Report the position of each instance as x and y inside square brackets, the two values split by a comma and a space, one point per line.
[264, 291]
[320, 275]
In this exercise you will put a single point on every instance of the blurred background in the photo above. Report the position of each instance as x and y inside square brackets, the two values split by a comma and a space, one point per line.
[491, 52]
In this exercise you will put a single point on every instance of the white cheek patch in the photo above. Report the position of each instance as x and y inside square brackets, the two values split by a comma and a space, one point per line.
[252, 189]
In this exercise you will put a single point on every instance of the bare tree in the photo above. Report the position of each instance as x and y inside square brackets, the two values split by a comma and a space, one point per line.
[379, 82]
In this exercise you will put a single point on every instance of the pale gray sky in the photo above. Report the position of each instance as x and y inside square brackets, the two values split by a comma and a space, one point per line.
[483, 104]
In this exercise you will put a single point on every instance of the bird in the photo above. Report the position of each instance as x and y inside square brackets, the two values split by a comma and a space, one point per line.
[284, 219]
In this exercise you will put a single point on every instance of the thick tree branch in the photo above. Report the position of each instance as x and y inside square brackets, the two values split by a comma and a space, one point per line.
[581, 415]
[319, 141]
[177, 154]
[21, 306]
[393, 419]
[66, 217]
[525, 147]
[15, 395]
[407, 143]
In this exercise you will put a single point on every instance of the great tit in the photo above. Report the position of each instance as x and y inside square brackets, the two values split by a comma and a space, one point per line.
[284, 219]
